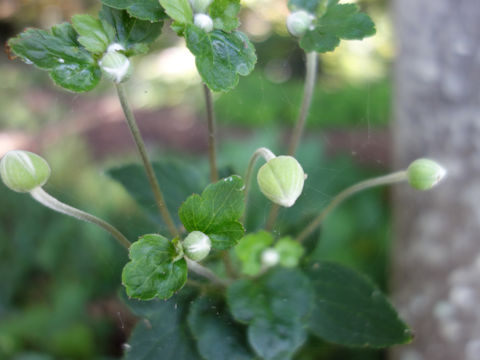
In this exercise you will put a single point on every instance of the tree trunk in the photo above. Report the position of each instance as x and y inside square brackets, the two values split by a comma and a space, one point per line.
[436, 265]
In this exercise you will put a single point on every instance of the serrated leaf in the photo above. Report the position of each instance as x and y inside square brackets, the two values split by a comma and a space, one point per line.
[95, 35]
[275, 307]
[221, 57]
[153, 271]
[340, 21]
[57, 51]
[224, 14]
[149, 10]
[216, 212]
[178, 10]
[289, 252]
[164, 334]
[218, 337]
[350, 310]
[249, 251]
[133, 34]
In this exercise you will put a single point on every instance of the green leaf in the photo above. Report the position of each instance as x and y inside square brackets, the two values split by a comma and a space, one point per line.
[307, 5]
[163, 335]
[216, 212]
[340, 21]
[149, 10]
[57, 51]
[153, 270]
[221, 57]
[178, 10]
[275, 307]
[224, 14]
[249, 251]
[217, 335]
[350, 310]
[95, 35]
[289, 251]
[133, 34]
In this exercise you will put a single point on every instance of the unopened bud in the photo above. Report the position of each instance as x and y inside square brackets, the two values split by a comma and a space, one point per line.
[299, 22]
[424, 174]
[281, 180]
[203, 21]
[197, 245]
[116, 66]
[23, 171]
[270, 257]
[200, 6]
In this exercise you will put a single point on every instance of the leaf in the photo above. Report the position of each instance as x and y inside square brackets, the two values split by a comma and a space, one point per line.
[224, 14]
[57, 51]
[307, 5]
[216, 212]
[340, 21]
[249, 251]
[221, 57]
[289, 251]
[217, 336]
[95, 35]
[178, 10]
[275, 307]
[149, 10]
[350, 310]
[153, 270]
[133, 34]
[164, 335]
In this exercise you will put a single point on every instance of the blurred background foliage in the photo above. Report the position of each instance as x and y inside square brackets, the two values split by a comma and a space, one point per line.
[60, 278]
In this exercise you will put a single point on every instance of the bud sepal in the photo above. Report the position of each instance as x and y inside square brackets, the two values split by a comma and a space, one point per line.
[197, 246]
[424, 174]
[116, 66]
[298, 22]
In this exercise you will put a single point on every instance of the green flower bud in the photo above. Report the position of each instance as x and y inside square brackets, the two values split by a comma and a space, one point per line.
[424, 174]
[200, 6]
[116, 66]
[203, 21]
[197, 245]
[281, 180]
[299, 22]
[23, 171]
[270, 257]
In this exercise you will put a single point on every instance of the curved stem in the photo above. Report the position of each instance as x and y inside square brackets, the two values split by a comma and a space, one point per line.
[310, 79]
[205, 272]
[260, 152]
[382, 180]
[49, 201]
[137, 137]
[212, 156]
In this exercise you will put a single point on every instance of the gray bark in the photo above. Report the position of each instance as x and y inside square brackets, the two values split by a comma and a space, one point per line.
[436, 257]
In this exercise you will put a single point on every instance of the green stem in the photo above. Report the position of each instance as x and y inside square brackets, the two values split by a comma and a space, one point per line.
[137, 137]
[205, 272]
[212, 157]
[49, 201]
[382, 180]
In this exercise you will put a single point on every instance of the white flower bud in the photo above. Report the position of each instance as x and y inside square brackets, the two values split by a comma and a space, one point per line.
[424, 174]
[270, 257]
[200, 6]
[299, 22]
[23, 171]
[281, 180]
[116, 66]
[203, 21]
[197, 245]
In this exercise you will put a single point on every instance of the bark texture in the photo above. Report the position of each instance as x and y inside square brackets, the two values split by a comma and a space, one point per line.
[436, 261]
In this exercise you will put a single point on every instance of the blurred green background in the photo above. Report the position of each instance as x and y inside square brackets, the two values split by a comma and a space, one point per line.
[60, 278]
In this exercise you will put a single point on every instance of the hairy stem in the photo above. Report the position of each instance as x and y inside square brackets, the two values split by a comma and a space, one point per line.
[49, 201]
[382, 180]
[205, 272]
[137, 137]
[212, 156]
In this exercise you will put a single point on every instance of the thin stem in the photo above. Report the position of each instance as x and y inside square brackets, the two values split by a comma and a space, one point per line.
[137, 137]
[49, 201]
[205, 272]
[261, 152]
[212, 156]
[272, 217]
[310, 79]
[382, 180]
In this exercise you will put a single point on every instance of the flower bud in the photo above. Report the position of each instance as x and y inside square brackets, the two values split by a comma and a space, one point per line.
[281, 180]
[116, 66]
[197, 245]
[23, 171]
[299, 22]
[200, 6]
[424, 174]
[203, 21]
[270, 257]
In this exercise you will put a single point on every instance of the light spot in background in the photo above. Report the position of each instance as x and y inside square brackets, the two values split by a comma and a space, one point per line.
[411, 354]
[472, 350]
